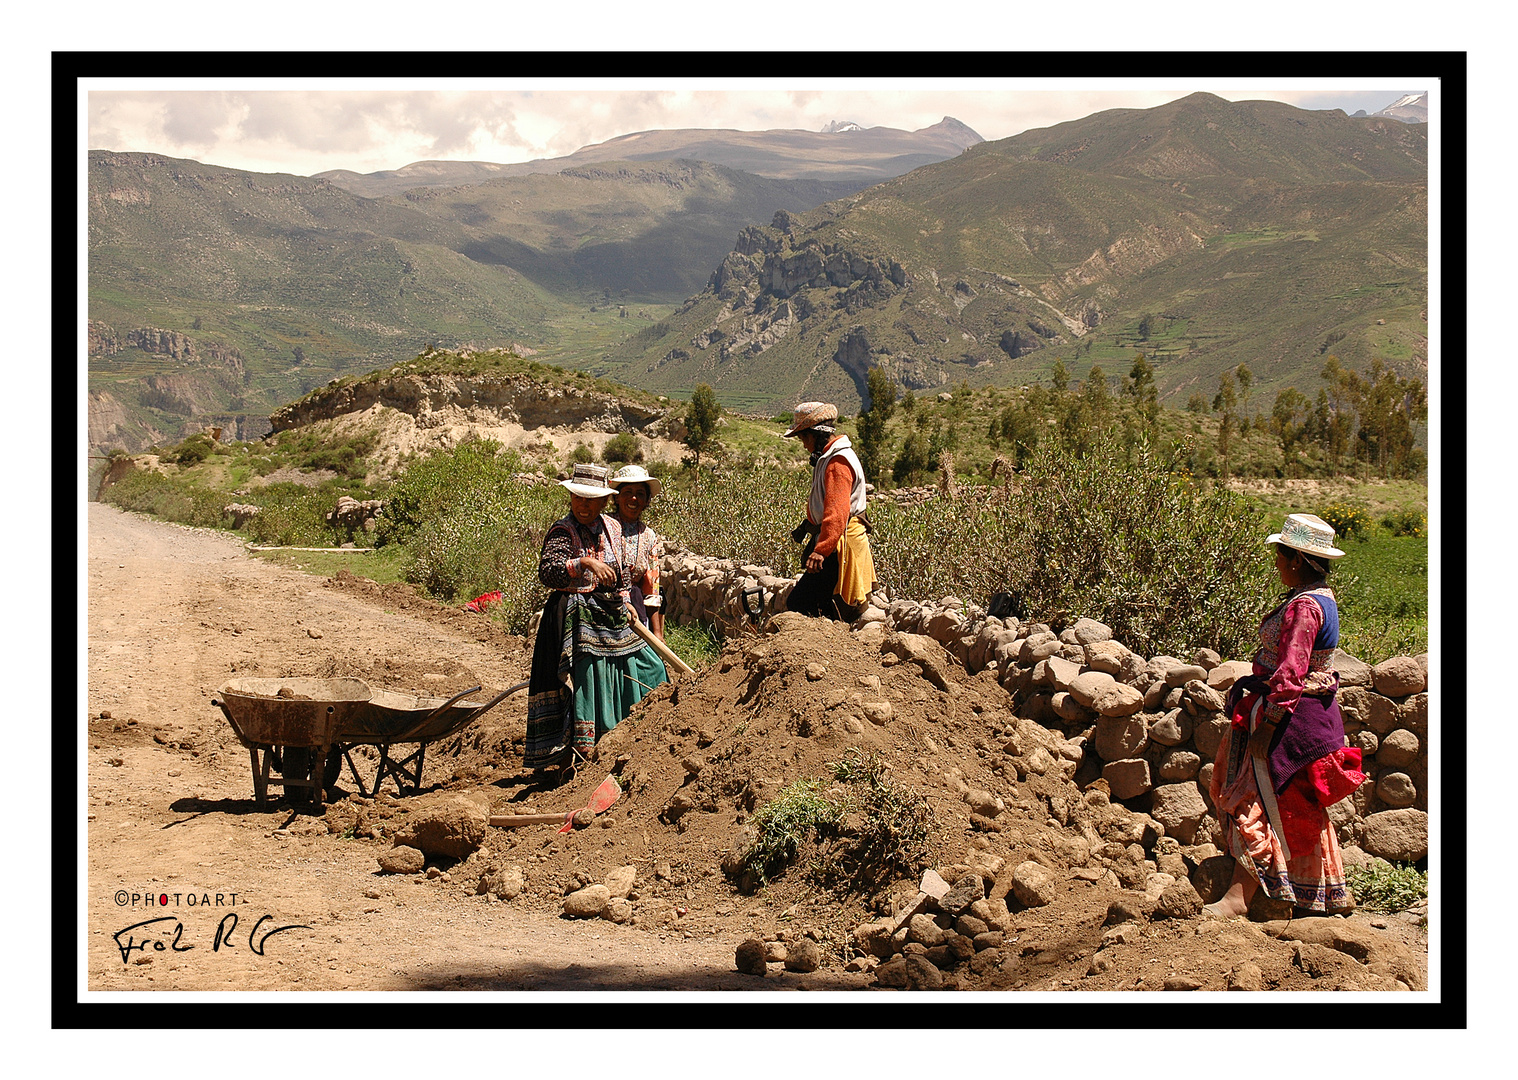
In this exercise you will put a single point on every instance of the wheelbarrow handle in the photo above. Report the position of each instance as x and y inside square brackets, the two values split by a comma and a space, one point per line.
[422, 723]
[502, 696]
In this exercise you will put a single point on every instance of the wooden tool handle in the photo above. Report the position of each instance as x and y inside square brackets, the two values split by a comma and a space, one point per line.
[511, 821]
[659, 647]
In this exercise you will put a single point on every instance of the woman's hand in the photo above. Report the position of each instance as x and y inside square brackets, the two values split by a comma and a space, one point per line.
[814, 563]
[1259, 741]
[604, 574]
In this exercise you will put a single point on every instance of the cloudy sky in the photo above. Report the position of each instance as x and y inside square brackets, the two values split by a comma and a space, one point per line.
[279, 125]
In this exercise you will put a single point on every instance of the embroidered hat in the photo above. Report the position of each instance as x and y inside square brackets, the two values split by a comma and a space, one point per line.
[589, 481]
[810, 414]
[1308, 533]
[635, 474]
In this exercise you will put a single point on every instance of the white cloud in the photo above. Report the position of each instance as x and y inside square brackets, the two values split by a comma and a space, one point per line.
[304, 130]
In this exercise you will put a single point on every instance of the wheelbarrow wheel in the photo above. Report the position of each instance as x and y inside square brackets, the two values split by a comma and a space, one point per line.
[297, 768]
[334, 767]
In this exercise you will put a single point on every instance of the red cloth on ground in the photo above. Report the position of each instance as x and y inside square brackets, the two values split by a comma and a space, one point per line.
[480, 603]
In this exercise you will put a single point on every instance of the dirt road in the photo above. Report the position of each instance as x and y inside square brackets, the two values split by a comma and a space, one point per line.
[173, 614]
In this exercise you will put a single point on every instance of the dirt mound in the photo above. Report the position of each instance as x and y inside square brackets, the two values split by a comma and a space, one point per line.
[808, 701]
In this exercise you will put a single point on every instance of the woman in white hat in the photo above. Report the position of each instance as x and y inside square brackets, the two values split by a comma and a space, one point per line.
[1283, 761]
[589, 668]
[641, 548]
[839, 568]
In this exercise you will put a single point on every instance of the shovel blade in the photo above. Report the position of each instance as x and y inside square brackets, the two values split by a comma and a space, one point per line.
[600, 799]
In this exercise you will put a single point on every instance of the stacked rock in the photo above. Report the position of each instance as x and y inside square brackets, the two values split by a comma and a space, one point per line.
[1149, 726]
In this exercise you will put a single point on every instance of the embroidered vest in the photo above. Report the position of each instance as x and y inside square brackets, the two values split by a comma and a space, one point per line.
[1320, 674]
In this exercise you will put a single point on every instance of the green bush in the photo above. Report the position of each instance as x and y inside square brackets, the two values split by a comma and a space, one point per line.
[1388, 887]
[1406, 523]
[1115, 535]
[469, 528]
[433, 486]
[1347, 520]
[622, 448]
[291, 515]
[173, 499]
[582, 454]
[192, 451]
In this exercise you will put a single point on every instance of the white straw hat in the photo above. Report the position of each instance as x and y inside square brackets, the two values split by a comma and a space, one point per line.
[1307, 533]
[811, 413]
[635, 474]
[589, 481]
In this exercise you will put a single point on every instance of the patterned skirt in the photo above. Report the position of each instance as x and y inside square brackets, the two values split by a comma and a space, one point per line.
[589, 668]
[1286, 841]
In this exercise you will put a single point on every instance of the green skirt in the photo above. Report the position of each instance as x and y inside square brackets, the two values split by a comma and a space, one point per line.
[607, 687]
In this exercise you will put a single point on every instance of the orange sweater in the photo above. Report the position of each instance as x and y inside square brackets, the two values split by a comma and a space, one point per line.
[837, 483]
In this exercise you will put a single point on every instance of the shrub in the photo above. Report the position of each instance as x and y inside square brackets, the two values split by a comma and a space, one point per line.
[1388, 887]
[434, 485]
[1347, 520]
[582, 454]
[1406, 523]
[1114, 535]
[622, 447]
[291, 515]
[799, 813]
[149, 492]
[192, 451]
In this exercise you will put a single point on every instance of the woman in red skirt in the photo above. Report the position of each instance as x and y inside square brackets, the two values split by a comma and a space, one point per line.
[1283, 762]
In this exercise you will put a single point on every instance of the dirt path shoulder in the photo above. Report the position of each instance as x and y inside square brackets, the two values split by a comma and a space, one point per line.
[174, 613]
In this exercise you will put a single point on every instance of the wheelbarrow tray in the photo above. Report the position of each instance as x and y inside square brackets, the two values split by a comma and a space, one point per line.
[311, 713]
[392, 716]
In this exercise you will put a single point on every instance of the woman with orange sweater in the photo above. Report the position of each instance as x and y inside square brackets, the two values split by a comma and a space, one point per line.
[840, 571]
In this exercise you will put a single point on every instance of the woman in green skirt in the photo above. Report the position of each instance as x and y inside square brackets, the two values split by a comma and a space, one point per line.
[589, 667]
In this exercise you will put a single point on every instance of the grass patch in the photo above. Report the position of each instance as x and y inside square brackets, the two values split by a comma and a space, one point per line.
[1382, 588]
[383, 566]
[696, 643]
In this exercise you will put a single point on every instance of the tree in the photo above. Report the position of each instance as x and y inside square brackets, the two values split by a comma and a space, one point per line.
[1226, 403]
[701, 418]
[1245, 377]
[300, 355]
[1143, 391]
[1290, 420]
[1060, 376]
[1146, 326]
[873, 442]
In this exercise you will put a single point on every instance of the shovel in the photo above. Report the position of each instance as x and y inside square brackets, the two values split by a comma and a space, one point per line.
[600, 799]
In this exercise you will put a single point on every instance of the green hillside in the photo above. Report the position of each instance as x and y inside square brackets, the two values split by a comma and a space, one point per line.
[215, 294]
[1205, 234]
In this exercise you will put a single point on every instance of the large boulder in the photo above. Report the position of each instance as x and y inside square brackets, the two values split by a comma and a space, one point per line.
[1399, 676]
[446, 825]
[1397, 835]
[1180, 808]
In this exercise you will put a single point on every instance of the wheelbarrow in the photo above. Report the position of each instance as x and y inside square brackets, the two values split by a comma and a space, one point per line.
[306, 728]
[393, 717]
[291, 724]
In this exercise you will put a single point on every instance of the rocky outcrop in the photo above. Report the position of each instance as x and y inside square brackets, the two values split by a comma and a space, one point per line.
[485, 399]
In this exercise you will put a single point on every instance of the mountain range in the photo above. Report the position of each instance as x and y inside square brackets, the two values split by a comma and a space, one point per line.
[843, 153]
[1203, 233]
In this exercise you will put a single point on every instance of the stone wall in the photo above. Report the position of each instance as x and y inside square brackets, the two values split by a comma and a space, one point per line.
[1149, 727]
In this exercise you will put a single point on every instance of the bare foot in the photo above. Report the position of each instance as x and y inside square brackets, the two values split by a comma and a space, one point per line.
[1235, 901]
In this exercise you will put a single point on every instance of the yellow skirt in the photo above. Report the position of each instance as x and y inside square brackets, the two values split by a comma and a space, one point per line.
[856, 567]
